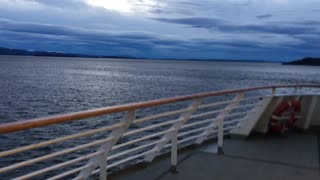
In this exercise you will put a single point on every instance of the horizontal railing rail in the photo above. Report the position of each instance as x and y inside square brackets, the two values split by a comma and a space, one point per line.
[117, 143]
[28, 124]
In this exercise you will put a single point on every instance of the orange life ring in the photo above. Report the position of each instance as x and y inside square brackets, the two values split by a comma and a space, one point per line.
[282, 126]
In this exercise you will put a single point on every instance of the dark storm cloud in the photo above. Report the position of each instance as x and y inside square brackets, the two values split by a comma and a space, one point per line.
[224, 26]
[67, 39]
[36, 28]
[47, 29]
[161, 11]
[60, 36]
[264, 16]
[198, 22]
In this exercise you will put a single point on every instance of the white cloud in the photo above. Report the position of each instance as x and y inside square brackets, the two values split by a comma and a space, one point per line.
[127, 7]
[123, 6]
[280, 1]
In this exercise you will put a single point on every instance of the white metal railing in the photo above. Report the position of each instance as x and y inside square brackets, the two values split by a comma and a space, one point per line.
[131, 139]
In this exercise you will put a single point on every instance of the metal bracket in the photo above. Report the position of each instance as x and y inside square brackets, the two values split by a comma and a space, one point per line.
[176, 126]
[220, 122]
[101, 161]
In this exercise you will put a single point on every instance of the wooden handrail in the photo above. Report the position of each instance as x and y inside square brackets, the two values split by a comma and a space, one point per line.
[57, 119]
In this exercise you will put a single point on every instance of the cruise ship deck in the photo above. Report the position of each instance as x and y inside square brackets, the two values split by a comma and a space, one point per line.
[291, 156]
[213, 135]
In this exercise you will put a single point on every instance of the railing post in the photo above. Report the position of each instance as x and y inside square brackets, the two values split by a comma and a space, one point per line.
[312, 108]
[220, 136]
[101, 160]
[174, 151]
[184, 117]
[273, 91]
[103, 167]
[220, 123]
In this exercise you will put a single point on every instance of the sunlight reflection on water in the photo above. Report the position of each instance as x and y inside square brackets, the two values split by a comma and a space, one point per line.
[39, 86]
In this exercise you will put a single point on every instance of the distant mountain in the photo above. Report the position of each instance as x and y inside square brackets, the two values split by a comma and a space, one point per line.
[22, 52]
[7, 51]
[308, 61]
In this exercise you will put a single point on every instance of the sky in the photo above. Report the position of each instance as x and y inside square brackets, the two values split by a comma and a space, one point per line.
[275, 30]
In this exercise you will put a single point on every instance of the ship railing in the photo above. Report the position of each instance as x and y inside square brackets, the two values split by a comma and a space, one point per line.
[138, 132]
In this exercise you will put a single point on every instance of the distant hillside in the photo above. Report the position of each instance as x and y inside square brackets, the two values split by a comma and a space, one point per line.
[305, 61]
[22, 52]
[7, 51]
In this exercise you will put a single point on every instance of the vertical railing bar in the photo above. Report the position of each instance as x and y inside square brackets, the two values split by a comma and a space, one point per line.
[174, 151]
[310, 111]
[103, 166]
[273, 91]
[220, 136]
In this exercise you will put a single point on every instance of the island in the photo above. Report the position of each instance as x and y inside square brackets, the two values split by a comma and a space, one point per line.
[23, 52]
[308, 61]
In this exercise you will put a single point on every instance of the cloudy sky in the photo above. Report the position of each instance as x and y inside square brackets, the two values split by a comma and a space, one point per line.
[217, 29]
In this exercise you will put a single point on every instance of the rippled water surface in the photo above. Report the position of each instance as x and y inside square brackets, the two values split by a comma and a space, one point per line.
[33, 87]
[38, 86]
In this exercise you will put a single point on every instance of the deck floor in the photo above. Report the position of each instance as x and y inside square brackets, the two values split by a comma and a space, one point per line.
[294, 156]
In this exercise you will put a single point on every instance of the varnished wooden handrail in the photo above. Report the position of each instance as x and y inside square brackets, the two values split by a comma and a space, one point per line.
[41, 122]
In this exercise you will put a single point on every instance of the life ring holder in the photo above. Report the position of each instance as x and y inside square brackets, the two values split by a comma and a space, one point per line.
[278, 122]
